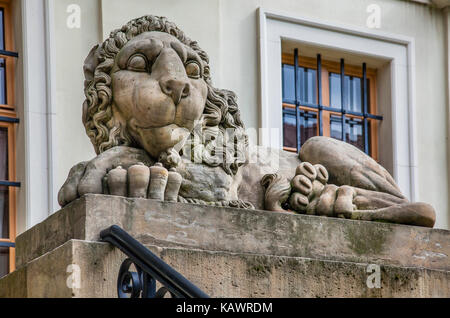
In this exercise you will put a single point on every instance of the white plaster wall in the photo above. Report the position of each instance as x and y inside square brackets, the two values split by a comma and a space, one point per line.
[227, 30]
[197, 18]
[71, 47]
[447, 54]
[31, 104]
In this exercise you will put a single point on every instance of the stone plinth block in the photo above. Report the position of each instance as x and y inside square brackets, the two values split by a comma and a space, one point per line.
[191, 226]
[219, 274]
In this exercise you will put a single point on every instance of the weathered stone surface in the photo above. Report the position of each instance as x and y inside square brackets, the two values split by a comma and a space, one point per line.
[157, 91]
[360, 189]
[150, 98]
[14, 285]
[220, 274]
[239, 231]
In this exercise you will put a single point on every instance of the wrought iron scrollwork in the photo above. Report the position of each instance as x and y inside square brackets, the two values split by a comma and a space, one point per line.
[138, 284]
[149, 269]
[129, 283]
[162, 292]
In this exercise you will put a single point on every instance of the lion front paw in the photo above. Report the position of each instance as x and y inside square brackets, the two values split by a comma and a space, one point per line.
[308, 184]
[140, 181]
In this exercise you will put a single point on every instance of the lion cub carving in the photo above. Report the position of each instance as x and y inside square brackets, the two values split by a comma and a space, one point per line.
[162, 131]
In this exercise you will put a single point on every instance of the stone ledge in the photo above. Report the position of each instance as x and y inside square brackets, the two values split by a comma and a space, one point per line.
[220, 274]
[237, 230]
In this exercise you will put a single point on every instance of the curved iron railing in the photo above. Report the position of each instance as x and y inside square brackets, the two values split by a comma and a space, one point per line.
[149, 269]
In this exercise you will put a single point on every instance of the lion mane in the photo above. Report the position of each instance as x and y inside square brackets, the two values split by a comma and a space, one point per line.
[221, 112]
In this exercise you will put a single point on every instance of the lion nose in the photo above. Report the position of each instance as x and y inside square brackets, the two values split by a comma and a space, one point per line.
[176, 89]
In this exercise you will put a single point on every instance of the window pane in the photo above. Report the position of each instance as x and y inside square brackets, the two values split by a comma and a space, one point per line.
[2, 31]
[354, 133]
[2, 81]
[335, 90]
[4, 212]
[353, 100]
[308, 126]
[288, 83]
[335, 127]
[369, 130]
[307, 85]
[3, 153]
[289, 131]
[353, 85]
[4, 261]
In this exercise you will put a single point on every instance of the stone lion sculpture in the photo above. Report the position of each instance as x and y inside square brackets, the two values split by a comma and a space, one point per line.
[162, 131]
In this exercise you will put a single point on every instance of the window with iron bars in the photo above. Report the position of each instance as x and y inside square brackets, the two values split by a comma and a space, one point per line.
[319, 101]
[8, 125]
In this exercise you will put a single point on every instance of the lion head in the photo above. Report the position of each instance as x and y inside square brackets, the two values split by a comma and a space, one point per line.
[148, 86]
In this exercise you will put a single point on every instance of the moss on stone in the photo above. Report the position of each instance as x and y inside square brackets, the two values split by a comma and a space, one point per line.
[365, 240]
[259, 266]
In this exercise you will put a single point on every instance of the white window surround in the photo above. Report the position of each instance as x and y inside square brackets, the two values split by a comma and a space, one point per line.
[38, 113]
[398, 50]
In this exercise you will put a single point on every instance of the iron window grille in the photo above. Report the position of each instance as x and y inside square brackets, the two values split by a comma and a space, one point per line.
[9, 120]
[318, 106]
[5, 54]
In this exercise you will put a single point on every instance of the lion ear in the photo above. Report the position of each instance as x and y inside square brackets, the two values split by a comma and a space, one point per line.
[90, 63]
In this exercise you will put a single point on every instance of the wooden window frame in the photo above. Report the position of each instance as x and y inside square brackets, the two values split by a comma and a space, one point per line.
[9, 120]
[12, 191]
[9, 60]
[350, 70]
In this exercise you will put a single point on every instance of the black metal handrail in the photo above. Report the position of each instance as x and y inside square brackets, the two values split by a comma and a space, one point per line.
[149, 269]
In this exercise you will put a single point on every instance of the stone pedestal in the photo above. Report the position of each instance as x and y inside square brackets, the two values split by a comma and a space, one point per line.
[229, 252]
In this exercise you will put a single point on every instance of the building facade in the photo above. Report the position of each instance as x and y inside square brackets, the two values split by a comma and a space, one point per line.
[283, 59]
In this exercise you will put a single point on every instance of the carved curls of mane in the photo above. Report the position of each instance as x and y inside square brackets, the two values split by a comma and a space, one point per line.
[221, 110]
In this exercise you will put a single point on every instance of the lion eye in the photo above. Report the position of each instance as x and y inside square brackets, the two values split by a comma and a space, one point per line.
[137, 62]
[193, 69]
